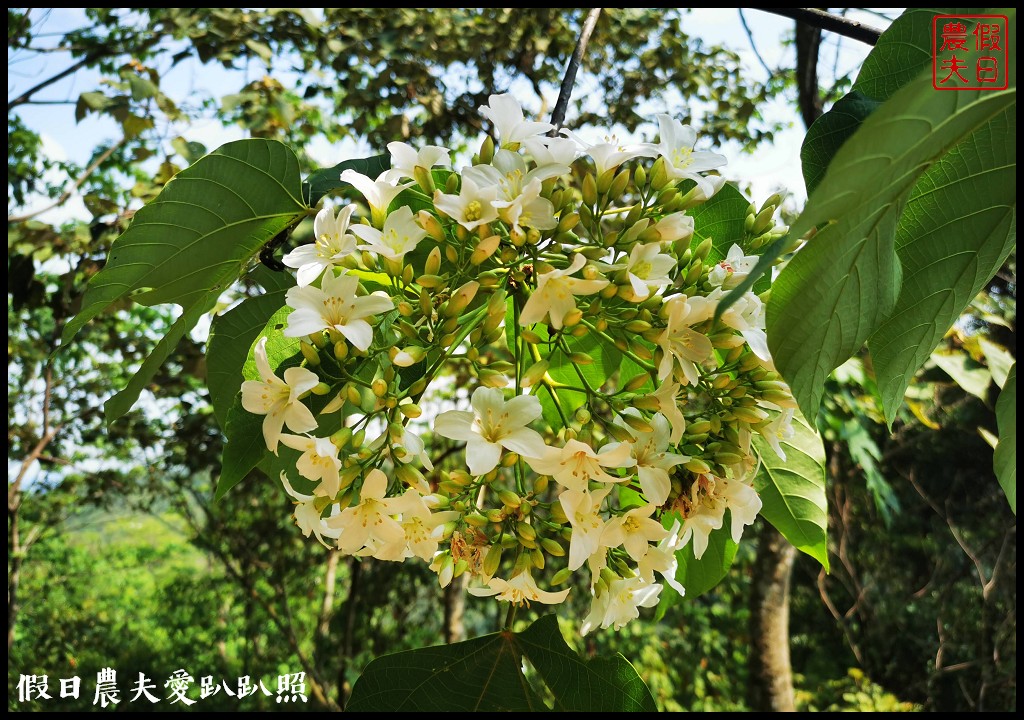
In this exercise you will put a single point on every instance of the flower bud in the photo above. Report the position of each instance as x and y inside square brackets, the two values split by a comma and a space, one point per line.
[433, 263]
[461, 298]
[509, 499]
[492, 561]
[431, 224]
[379, 387]
[484, 249]
[535, 373]
[589, 191]
[431, 281]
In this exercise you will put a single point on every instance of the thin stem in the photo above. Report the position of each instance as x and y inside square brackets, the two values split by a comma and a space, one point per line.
[828, 21]
[562, 104]
[510, 616]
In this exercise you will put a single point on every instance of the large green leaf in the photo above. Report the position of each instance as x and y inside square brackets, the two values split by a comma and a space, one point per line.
[839, 288]
[194, 240]
[1006, 450]
[486, 675]
[232, 336]
[958, 229]
[902, 53]
[793, 490]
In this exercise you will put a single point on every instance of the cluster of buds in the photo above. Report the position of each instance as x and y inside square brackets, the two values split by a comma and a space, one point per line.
[559, 290]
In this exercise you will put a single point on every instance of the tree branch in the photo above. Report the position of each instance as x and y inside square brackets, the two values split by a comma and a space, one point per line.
[66, 195]
[830, 22]
[27, 95]
[753, 46]
[562, 104]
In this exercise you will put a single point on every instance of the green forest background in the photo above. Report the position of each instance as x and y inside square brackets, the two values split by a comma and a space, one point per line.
[117, 555]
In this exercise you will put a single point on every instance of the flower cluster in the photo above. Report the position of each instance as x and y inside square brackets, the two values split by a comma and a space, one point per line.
[563, 289]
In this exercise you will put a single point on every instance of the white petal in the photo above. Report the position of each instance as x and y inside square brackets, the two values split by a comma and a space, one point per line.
[455, 425]
[482, 456]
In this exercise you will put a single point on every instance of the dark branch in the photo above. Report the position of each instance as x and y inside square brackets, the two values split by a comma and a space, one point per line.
[830, 22]
[558, 116]
[750, 37]
[27, 95]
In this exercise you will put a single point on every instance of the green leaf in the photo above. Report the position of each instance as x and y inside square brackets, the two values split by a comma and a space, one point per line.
[722, 219]
[598, 684]
[969, 375]
[845, 282]
[244, 449]
[829, 132]
[323, 181]
[958, 229]
[486, 675]
[902, 52]
[232, 336]
[793, 490]
[1006, 451]
[699, 576]
[193, 241]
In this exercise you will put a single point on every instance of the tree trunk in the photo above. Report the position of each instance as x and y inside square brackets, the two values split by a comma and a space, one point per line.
[454, 607]
[770, 687]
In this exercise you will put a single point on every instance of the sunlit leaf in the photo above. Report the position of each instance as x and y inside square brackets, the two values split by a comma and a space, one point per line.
[192, 242]
[793, 490]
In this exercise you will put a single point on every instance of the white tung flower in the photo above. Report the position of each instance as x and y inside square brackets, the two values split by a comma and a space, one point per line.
[405, 159]
[609, 154]
[472, 207]
[653, 461]
[647, 269]
[379, 193]
[583, 509]
[332, 243]
[401, 234]
[307, 516]
[620, 603]
[681, 345]
[521, 589]
[733, 269]
[505, 112]
[494, 424]
[279, 399]
[576, 464]
[334, 306]
[635, 529]
[555, 294]
[318, 462]
[681, 161]
[368, 525]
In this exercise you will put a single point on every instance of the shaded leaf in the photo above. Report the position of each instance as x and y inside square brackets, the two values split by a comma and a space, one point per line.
[323, 181]
[485, 675]
[969, 375]
[1006, 451]
[232, 336]
[793, 490]
[699, 576]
